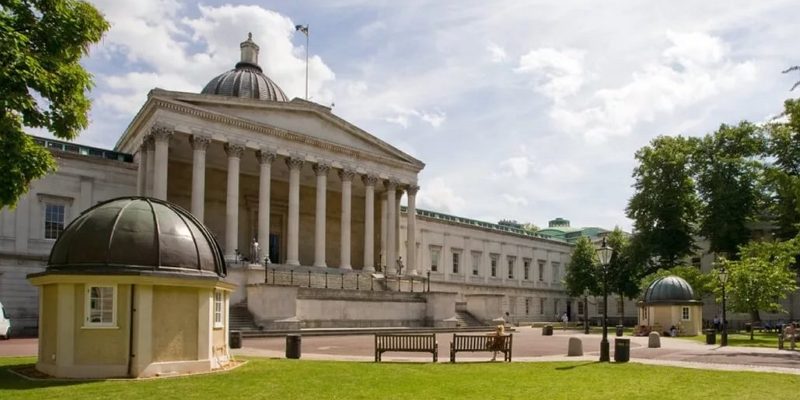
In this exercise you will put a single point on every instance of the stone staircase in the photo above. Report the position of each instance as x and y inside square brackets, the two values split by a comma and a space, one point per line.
[241, 319]
[466, 320]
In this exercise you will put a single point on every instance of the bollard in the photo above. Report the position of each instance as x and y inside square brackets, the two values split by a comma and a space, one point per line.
[654, 340]
[575, 347]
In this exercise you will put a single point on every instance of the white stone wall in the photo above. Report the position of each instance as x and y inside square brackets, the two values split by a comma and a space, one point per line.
[79, 182]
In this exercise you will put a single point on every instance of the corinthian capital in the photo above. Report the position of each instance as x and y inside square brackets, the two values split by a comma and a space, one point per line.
[369, 180]
[234, 150]
[199, 142]
[412, 190]
[265, 156]
[294, 162]
[161, 131]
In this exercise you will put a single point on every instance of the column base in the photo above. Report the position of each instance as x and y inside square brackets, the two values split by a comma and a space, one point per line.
[295, 263]
[368, 269]
[346, 267]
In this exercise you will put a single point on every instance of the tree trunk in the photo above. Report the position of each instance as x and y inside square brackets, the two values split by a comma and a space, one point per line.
[754, 317]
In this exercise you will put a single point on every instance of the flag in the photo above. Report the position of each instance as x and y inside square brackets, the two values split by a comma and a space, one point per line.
[302, 28]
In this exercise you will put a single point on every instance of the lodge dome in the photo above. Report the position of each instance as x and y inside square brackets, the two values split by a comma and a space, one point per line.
[246, 80]
[670, 289]
[137, 236]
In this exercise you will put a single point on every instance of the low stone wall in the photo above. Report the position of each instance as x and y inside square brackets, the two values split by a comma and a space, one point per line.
[289, 307]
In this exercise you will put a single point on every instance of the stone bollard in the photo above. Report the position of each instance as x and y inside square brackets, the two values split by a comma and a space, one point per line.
[575, 347]
[654, 340]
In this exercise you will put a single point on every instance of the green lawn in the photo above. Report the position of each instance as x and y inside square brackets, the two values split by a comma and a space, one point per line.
[303, 379]
[760, 339]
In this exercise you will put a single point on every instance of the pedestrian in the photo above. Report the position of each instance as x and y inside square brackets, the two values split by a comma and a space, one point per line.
[790, 333]
[564, 320]
[716, 323]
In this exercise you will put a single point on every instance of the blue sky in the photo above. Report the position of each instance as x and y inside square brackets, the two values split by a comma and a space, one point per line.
[525, 110]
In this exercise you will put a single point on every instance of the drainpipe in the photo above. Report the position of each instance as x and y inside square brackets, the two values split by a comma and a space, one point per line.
[130, 333]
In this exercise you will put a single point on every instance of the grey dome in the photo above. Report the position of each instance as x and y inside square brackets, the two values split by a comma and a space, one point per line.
[670, 289]
[137, 235]
[246, 80]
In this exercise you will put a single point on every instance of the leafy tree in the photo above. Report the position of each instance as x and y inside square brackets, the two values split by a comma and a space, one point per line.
[761, 278]
[42, 84]
[623, 271]
[664, 205]
[581, 277]
[782, 176]
[727, 166]
[701, 283]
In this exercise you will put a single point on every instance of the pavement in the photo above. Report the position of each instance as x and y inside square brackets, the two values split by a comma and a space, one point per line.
[529, 346]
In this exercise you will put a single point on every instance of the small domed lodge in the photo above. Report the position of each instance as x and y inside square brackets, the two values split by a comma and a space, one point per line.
[669, 302]
[133, 288]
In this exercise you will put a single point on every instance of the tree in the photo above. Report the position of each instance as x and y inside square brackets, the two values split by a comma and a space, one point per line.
[42, 84]
[761, 278]
[581, 277]
[727, 164]
[623, 272]
[664, 205]
[782, 176]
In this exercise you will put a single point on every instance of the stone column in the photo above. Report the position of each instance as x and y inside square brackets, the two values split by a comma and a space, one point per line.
[321, 170]
[391, 234]
[199, 146]
[344, 243]
[150, 167]
[411, 234]
[141, 178]
[234, 152]
[161, 135]
[265, 159]
[397, 239]
[292, 241]
[369, 222]
[384, 223]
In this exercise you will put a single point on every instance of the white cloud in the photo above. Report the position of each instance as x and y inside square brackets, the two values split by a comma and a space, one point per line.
[497, 54]
[695, 67]
[517, 167]
[556, 73]
[515, 200]
[402, 116]
[437, 195]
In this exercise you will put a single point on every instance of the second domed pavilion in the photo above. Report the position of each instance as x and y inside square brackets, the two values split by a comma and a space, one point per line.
[670, 302]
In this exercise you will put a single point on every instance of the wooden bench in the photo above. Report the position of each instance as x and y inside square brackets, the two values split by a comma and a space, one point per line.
[410, 343]
[473, 343]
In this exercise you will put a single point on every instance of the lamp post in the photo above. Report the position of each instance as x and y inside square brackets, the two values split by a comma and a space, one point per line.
[723, 279]
[604, 254]
[586, 312]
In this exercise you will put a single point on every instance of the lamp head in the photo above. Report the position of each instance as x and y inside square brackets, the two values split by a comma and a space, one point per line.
[723, 275]
[604, 253]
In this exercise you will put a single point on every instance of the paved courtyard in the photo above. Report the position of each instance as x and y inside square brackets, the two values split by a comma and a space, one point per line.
[529, 345]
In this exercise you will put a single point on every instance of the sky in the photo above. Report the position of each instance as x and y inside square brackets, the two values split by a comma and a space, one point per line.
[523, 110]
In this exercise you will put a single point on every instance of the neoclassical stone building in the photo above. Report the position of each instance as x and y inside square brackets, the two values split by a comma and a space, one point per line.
[289, 182]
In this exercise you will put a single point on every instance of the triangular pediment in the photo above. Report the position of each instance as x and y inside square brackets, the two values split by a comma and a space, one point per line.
[299, 117]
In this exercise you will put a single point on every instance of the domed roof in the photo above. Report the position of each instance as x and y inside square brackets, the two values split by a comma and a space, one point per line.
[137, 235]
[246, 80]
[670, 289]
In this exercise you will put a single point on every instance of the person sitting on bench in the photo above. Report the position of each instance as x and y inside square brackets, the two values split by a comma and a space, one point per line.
[496, 341]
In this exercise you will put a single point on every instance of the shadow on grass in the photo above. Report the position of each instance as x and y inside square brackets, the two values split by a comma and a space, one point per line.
[11, 381]
[571, 367]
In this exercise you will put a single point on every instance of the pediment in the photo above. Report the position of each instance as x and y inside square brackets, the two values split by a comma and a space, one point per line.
[303, 118]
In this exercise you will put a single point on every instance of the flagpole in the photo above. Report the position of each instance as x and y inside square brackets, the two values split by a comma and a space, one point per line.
[307, 62]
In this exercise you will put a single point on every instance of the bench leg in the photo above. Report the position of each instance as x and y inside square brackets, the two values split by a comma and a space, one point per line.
[452, 356]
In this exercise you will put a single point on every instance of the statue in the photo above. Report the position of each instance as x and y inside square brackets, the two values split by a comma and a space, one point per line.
[399, 265]
[254, 251]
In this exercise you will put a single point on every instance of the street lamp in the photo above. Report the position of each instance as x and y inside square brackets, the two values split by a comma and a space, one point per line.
[586, 312]
[723, 279]
[604, 254]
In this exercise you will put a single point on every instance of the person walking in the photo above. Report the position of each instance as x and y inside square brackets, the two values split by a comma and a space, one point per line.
[497, 341]
[564, 321]
[790, 333]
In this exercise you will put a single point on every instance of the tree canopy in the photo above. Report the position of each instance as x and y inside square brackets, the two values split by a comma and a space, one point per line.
[581, 276]
[42, 82]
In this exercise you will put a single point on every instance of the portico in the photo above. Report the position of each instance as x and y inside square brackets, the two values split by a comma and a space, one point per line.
[289, 175]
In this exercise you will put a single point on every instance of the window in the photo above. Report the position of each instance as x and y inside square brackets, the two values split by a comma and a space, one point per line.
[101, 306]
[455, 262]
[511, 267]
[685, 316]
[219, 307]
[600, 308]
[476, 263]
[541, 270]
[434, 259]
[494, 265]
[53, 220]
[580, 308]
[527, 306]
[541, 306]
[556, 277]
[555, 307]
[526, 269]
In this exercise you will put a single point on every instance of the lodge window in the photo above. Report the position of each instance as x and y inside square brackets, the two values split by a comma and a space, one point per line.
[54, 217]
[101, 306]
[685, 316]
[219, 309]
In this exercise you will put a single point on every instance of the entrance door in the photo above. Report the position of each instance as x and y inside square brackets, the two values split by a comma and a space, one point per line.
[274, 248]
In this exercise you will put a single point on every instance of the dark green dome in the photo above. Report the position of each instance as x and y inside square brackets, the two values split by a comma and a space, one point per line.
[137, 235]
[670, 289]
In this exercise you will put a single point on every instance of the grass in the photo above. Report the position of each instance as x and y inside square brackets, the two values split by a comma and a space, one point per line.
[301, 379]
[760, 339]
